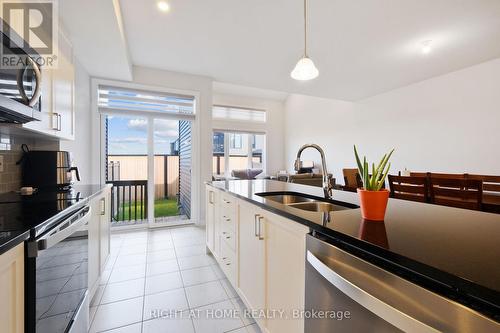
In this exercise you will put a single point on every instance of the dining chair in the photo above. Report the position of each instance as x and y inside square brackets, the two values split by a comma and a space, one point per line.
[352, 179]
[461, 193]
[409, 188]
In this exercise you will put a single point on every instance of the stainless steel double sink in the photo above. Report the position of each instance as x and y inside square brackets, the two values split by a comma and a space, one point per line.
[306, 202]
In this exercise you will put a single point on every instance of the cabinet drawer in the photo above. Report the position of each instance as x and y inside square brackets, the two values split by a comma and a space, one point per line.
[229, 237]
[228, 221]
[228, 204]
[228, 261]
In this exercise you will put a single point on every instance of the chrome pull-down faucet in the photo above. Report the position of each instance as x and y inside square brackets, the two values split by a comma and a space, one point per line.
[327, 186]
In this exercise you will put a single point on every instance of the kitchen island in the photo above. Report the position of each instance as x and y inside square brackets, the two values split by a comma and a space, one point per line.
[452, 252]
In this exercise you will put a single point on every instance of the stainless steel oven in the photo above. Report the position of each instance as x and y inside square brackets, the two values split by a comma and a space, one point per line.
[57, 277]
[345, 293]
[20, 81]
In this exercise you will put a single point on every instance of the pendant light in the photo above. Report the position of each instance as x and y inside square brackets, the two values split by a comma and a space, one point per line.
[305, 69]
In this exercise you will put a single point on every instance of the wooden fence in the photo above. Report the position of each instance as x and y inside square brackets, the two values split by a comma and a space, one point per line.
[135, 167]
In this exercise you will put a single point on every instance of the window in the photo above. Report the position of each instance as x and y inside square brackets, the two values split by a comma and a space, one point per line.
[236, 141]
[240, 114]
[236, 151]
[125, 99]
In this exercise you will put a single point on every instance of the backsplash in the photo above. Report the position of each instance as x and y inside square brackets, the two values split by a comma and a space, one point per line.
[10, 150]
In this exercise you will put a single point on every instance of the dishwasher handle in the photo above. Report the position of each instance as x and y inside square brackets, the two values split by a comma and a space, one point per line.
[383, 310]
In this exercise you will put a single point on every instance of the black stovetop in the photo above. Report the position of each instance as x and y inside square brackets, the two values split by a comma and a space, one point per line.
[34, 213]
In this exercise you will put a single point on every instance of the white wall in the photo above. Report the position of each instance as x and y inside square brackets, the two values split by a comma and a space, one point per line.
[81, 146]
[273, 128]
[450, 123]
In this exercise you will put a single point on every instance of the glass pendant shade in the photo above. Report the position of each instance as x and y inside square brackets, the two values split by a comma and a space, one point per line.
[304, 70]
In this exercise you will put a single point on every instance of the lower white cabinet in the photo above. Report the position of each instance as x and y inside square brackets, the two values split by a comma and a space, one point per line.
[12, 290]
[99, 238]
[252, 257]
[211, 218]
[265, 262]
[285, 272]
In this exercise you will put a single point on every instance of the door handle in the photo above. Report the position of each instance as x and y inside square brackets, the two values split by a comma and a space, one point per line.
[55, 116]
[255, 225]
[103, 207]
[378, 307]
[260, 227]
[211, 197]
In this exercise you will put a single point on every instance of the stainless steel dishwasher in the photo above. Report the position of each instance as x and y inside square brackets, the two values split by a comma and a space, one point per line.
[345, 293]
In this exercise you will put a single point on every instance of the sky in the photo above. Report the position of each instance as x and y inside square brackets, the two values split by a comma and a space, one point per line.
[128, 135]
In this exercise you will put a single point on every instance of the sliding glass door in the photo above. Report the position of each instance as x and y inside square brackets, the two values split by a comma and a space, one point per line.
[148, 162]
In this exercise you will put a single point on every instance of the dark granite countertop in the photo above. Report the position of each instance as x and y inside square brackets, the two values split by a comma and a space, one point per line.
[453, 251]
[23, 216]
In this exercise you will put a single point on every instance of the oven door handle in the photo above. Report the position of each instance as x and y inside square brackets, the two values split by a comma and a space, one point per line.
[64, 230]
[383, 310]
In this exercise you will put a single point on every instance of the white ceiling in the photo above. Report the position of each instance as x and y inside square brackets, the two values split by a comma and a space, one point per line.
[99, 42]
[361, 47]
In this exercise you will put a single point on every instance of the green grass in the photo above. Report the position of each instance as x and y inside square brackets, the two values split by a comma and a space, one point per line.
[163, 207]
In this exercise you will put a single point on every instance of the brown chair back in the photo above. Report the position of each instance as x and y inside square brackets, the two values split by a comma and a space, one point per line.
[409, 188]
[491, 192]
[438, 175]
[352, 179]
[461, 193]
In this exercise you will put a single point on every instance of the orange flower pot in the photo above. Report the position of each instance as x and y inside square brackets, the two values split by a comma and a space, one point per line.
[373, 204]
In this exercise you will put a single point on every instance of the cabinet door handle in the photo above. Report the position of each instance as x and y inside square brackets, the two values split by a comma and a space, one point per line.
[103, 206]
[59, 122]
[211, 197]
[228, 202]
[260, 227]
[55, 116]
[256, 233]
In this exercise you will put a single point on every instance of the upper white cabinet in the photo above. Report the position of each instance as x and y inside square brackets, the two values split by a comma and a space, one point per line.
[58, 94]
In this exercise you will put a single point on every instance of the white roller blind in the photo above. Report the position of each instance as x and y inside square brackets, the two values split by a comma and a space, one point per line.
[237, 113]
[123, 99]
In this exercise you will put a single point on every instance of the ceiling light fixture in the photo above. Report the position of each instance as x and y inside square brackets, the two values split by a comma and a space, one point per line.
[163, 6]
[305, 69]
[426, 47]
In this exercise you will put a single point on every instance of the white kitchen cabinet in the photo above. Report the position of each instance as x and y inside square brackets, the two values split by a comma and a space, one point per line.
[104, 229]
[99, 238]
[251, 256]
[211, 217]
[285, 271]
[94, 246]
[263, 256]
[57, 99]
[63, 91]
[12, 290]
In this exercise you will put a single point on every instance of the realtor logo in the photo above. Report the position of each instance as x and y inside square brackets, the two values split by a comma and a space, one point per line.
[30, 27]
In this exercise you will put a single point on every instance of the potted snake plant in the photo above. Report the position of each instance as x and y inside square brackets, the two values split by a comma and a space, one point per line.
[373, 197]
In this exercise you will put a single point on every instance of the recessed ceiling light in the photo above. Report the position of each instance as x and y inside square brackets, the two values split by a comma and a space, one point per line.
[163, 6]
[426, 47]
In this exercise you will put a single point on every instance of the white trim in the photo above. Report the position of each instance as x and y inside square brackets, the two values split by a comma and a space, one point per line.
[151, 171]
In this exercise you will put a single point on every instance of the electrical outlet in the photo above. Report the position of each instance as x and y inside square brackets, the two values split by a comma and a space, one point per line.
[1, 163]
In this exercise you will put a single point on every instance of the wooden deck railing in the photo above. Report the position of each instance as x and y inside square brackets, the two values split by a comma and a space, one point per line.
[129, 200]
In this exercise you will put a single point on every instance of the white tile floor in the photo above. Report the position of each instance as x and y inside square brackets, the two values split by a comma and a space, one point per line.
[165, 270]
